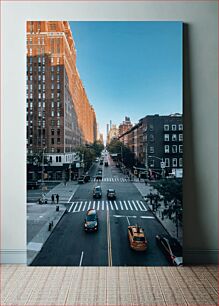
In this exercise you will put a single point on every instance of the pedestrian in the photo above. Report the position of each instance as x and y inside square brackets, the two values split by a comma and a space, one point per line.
[57, 198]
[52, 198]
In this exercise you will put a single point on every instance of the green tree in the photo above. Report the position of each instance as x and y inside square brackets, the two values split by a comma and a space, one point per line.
[171, 189]
[98, 147]
[124, 153]
[87, 154]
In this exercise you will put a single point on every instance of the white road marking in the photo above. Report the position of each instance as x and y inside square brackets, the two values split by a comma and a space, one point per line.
[93, 204]
[111, 205]
[127, 218]
[89, 205]
[80, 206]
[147, 217]
[120, 202]
[76, 204]
[136, 208]
[81, 259]
[145, 209]
[102, 205]
[107, 205]
[84, 206]
[70, 207]
[98, 205]
[116, 205]
[130, 205]
[139, 205]
[125, 205]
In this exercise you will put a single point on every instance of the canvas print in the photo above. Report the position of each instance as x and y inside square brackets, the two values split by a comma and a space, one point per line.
[104, 134]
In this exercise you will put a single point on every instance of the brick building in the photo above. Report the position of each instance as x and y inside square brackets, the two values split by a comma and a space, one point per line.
[124, 127]
[59, 115]
[157, 142]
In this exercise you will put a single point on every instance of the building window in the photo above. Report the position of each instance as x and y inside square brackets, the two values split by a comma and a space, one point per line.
[58, 113]
[57, 159]
[151, 137]
[167, 162]
[180, 162]
[152, 163]
[58, 140]
[180, 137]
[166, 127]
[52, 113]
[52, 95]
[58, 123]
[52, 150]
[52, 86]
[52, 104]
[180, 148]
[166, 137]
[58, 132]
[151, 149]
[174, 149]
[174, 162]
[60, 159]
[151, 127]
[174, 137]
[166, 149]
[52, 141]
[180, 127]
[52, 132]
[173, 127]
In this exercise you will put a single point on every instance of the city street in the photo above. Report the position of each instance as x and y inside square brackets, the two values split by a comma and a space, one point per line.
[70, 245]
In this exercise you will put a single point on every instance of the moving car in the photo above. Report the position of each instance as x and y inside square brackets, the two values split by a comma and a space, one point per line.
[111, 194]
[81, 180]
[137, 238]
[171, 248]
[101, 162]
[97, 192]
[86, 178]
[91, 220]
[106, 164]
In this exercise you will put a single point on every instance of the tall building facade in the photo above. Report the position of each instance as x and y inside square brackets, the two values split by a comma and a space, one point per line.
[59, 115]
[157, 142]
[113, 133]
[124, 127]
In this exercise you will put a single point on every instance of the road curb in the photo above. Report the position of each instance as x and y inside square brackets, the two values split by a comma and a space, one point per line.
[48, 234]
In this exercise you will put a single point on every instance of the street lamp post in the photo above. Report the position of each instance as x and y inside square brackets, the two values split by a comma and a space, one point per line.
[162, 164]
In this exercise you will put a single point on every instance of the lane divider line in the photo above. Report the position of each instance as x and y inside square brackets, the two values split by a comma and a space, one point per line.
[81, 259]
[110, 263]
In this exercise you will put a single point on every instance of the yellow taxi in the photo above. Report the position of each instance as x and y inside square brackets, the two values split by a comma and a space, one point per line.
[137, 239]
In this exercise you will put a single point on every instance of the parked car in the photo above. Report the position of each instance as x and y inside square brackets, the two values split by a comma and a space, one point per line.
[171, 248]
[81, 180]
[137, 238]
[106, 164]
[111, 194]
[97, 192]
[91, 220]
[98, 177]
[86, 178]
[101, 162]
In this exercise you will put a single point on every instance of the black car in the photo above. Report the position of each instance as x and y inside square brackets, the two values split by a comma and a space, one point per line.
[171, 248]
[106, 164]
[97, 192]
[91, 221]
[87, 178]
[101, 162]
[98, 177]
[111, 194]
[81, 180]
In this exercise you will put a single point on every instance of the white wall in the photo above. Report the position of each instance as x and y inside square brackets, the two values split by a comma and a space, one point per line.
[200, 109]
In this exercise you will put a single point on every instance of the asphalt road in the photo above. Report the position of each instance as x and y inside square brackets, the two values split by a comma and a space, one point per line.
[70, 245]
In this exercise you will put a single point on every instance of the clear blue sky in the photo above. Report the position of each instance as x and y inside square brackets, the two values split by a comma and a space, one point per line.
[130, 69]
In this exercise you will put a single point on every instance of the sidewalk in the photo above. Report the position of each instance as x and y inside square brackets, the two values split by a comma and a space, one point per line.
[168, 224]
[65, 192]
[41, 216]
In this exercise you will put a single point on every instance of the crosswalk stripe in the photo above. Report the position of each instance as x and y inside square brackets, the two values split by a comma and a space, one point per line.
[76, 204]
[71, 207]
[98, 205]
[94, 204]
[107, 205]
[125, 205]
[143, 205]
[139, 205]
[84, 206]
[120, 202]
[134, 205]
[102, 205]
[116, 205]
[111, 205]
[89, 205]
[130, 205]
[80, 206]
